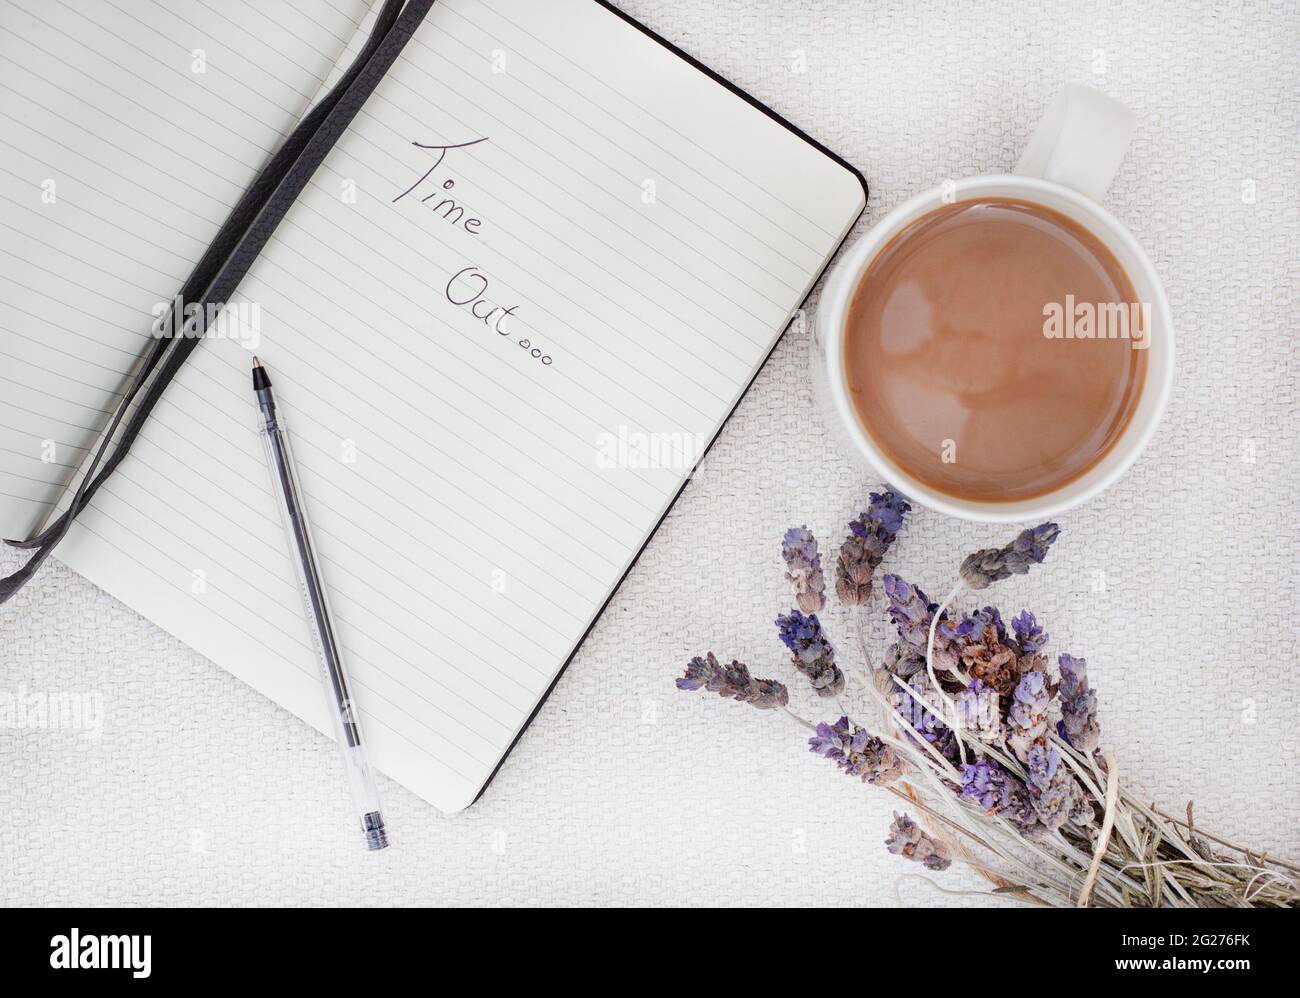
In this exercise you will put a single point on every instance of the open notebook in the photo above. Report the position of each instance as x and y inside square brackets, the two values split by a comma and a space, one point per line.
[481, 351]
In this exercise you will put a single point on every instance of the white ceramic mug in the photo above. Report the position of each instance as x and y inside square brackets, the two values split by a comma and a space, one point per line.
[1068, 164]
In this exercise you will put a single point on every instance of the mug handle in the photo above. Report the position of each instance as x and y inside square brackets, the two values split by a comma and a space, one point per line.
[1080, 141]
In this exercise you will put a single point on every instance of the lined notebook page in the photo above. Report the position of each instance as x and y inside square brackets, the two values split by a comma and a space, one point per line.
[471, 346]
[116, 116]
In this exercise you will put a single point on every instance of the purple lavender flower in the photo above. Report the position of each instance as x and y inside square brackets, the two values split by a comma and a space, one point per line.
[1051, 787]
[999, 793]
[1082, 813]
[1027, 718]
[733, 681]
[911, 610]
[804, 561]
[981, 642]
[988, 565]
[988, 784]
[886, 510]
[902, 660]
[980, 709]
[907, 840]
[857, 752]
[910, 706]
[1029, 636]
[976, 622]
[1078, 725]
[813, 654]
[870, 536]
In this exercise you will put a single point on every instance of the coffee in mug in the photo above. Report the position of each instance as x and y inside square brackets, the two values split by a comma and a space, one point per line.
[995, 350]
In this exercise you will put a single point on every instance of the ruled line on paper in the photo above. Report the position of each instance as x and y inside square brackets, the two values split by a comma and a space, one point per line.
[700, 204]
[291, 601]
[143, 336]
[373, 717]
[641, 109]
[522, 190]
[680, 373]
[553, 315]
[108, 411]
[427, 524]
[177, 278]
[472, 461]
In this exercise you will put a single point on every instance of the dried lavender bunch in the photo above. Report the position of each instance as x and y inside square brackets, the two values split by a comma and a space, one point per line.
[870, 536]
[906, 839]
[857, 752]
[1078, 724]
[989, 565]
[733, 681]
[1036, 807]
[813, 654]
[804, 569]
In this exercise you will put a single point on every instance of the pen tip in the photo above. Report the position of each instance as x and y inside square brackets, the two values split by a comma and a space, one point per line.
[261, 379]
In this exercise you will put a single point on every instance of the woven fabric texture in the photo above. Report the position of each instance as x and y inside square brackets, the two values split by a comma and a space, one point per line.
[1179, 585]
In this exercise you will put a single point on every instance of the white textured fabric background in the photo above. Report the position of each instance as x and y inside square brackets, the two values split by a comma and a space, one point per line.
[1179, 585]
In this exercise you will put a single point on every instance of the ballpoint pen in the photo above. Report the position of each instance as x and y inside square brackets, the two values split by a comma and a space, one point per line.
[302, 552]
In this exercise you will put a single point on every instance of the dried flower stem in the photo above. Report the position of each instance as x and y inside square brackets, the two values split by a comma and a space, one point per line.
[1003, 839]
[943, 763]
[1016, 816]
[1072, 757]
[913, 801]
[1103, 840]
[945, 771]
[1128, 828]
[1081, 858]
[937, 769]
[1226, 843]
[951, 708]
[934, 766]
[1013, 892]
[1068, 758]
[1067, 753]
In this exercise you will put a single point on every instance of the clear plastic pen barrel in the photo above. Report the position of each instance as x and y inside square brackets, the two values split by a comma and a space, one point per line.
[302, 552]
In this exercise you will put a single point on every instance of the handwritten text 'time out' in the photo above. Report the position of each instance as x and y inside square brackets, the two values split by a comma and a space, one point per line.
[467, 288]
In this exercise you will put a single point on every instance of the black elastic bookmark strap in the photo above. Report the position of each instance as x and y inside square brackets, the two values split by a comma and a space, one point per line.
[235, 228]
[238, 243]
